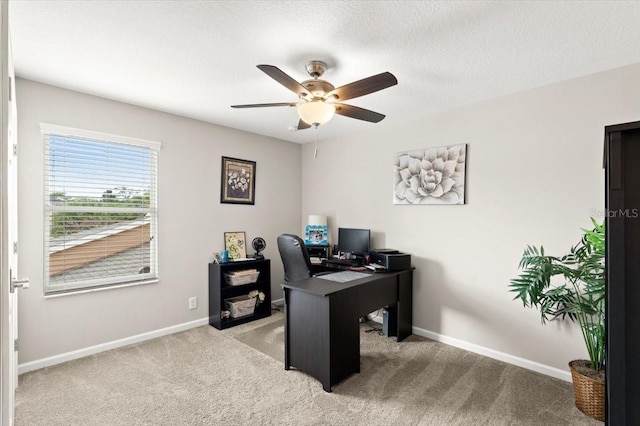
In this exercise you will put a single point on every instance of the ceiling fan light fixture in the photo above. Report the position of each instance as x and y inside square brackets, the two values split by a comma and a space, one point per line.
[319, 100]
[316, 112]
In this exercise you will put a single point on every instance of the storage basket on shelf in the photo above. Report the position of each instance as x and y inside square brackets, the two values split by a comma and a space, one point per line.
[246, 276]
[241, 306]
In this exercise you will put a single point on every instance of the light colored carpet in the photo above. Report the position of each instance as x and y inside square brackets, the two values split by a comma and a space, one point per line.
[204, 376]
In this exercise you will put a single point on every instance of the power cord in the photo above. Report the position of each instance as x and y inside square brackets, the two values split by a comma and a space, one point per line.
[372, 329]
[367, 320]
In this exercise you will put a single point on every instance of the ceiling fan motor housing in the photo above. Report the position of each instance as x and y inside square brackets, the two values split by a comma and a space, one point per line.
[317, 87]
[316, 68]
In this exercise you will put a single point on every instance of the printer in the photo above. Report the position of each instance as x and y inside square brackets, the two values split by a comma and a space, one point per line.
[391, 259]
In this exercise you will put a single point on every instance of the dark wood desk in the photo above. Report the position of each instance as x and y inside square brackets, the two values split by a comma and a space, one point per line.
[322, 328]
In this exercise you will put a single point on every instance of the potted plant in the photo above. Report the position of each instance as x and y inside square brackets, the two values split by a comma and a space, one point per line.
[572, 287]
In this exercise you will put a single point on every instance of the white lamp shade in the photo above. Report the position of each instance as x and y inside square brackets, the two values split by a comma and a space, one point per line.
[316, 112]
[317, 220]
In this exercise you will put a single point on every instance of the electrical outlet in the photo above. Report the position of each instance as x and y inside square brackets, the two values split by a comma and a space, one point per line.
[193, 302]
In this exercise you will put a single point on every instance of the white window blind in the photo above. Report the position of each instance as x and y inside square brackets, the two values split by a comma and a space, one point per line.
[100, 211]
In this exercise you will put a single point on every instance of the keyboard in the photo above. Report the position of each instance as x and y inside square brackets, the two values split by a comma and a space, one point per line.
[343, 262]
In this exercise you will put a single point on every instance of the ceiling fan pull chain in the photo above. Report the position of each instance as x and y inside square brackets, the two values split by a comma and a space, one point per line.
[315, 141]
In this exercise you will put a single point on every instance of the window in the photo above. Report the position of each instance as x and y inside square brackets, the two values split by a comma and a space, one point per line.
[100, 210]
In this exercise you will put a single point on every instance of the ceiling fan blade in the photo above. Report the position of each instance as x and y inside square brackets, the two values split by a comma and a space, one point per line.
[278, 75]
[303, 125]
[265, 105]
[358, 113]
[364, 86]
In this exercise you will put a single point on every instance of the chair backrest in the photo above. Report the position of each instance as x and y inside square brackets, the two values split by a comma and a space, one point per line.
[295, 258]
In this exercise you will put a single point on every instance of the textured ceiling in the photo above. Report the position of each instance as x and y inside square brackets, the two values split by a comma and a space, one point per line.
[196, 58]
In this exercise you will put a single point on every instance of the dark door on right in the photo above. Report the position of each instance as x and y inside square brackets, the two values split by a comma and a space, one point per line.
[622, 164]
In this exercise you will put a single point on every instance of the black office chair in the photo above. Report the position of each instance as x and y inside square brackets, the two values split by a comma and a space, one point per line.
[295, 258]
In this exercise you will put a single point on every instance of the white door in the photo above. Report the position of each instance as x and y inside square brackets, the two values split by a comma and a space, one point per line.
[8, 229]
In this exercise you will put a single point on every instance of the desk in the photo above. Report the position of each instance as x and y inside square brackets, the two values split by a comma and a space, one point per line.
[322, 328]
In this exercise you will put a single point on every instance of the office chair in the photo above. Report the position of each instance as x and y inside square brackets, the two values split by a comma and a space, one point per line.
[295, 258]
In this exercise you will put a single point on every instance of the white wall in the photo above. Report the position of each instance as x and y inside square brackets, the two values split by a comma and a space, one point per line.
[191, 219]
[534, 175]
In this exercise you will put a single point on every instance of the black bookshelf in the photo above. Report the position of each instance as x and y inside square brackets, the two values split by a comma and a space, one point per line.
[220, 291]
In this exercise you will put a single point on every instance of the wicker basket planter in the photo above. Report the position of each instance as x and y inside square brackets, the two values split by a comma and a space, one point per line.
[589, 392]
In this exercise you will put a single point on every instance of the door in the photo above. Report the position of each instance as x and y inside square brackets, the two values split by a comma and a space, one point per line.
[622, 148]
[8, 229]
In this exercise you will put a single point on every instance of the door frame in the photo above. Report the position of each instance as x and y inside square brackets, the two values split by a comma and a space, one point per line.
[8, 300]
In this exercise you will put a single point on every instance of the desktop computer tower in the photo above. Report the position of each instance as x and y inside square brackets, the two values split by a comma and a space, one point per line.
[390, 321]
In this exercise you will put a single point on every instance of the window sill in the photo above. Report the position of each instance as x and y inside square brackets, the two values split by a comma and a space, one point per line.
[96, 289]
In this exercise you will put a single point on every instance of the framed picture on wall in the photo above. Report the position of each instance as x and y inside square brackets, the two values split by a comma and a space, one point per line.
[238, 181]
[235, 243]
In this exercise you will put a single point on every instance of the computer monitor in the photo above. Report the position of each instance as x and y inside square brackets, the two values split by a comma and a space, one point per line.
[354, 241]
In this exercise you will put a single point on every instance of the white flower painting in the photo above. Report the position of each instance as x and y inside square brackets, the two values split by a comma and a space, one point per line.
[238, 181]
[430, 176]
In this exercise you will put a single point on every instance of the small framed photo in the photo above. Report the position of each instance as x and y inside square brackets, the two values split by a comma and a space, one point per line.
[316, 235]
[235, 243]
[238, 181]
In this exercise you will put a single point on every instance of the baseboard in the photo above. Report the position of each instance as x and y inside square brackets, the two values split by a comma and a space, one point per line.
[278, 302]
[491, 353]
[471, 347]
[92, 350]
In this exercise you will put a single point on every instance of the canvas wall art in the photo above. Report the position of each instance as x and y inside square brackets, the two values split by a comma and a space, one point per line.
[430, 175]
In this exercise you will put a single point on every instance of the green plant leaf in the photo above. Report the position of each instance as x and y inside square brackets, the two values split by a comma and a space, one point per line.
[577, 295]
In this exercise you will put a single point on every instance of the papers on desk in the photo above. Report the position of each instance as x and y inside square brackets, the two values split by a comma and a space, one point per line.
[343, 276]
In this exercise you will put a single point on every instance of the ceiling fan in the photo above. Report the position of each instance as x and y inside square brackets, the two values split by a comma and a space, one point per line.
[319, 100]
